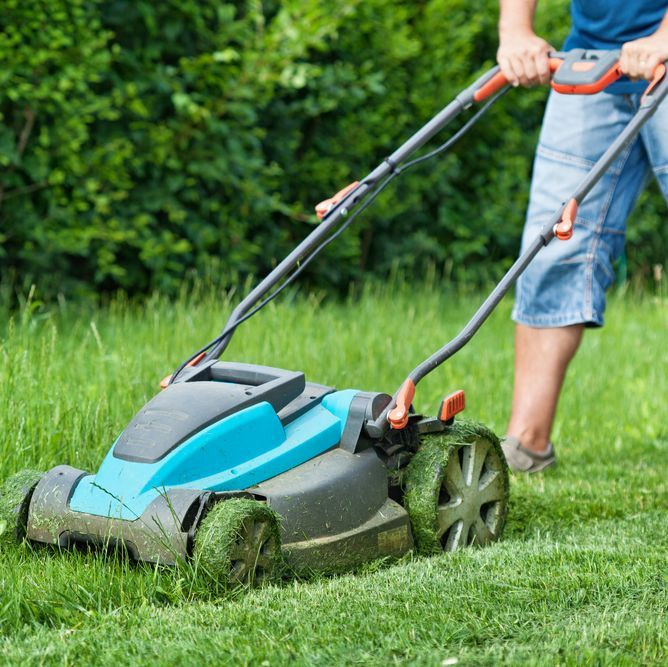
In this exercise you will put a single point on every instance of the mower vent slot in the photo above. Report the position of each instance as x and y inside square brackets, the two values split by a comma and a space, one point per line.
[109, 545]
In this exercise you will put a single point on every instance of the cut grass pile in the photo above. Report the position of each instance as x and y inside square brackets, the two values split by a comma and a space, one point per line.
[581, 575]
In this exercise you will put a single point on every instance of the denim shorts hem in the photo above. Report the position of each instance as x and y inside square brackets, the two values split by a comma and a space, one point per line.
[557, 319]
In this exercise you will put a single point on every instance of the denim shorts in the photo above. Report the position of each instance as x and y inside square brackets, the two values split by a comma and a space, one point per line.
[566, 282]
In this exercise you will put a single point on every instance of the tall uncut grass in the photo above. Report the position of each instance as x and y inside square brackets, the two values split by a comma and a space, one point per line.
[581, 575]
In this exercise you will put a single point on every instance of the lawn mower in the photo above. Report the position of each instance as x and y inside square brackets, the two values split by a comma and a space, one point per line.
[241, 468]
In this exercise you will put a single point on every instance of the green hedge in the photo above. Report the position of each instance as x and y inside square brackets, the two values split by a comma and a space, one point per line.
[145, 143]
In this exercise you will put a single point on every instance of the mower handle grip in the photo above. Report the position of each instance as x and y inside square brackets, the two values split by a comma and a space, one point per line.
[576, 72]
[499, 81]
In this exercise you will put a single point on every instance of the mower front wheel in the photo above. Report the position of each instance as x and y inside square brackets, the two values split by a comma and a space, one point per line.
[457, 489]
[238, 544]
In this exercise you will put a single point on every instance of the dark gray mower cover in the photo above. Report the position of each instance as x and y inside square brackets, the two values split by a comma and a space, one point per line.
[335, 512]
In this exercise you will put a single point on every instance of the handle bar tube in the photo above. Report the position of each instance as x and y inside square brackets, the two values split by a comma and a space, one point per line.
[338, 213]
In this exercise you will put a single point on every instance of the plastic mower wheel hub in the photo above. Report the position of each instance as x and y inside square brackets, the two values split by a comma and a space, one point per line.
[471, 499]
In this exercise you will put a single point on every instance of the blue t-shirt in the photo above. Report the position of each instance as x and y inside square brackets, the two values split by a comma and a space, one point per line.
[607, 24]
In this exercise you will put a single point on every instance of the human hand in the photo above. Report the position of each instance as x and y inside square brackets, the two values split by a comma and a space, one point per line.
[523, 58]
[640, 57]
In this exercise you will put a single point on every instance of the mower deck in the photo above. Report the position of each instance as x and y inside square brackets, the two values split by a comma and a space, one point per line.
[241, 430]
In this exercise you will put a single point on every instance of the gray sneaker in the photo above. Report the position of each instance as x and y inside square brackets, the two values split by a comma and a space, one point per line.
[521, 459]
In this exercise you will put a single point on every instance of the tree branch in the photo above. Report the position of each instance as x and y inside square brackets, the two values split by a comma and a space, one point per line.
[29, 115]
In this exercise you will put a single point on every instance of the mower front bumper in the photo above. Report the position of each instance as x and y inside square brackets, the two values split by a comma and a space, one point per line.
[162, 534]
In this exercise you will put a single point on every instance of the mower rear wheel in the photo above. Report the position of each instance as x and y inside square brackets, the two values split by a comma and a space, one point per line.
[238, 544]
[457, 489]
[15, 494]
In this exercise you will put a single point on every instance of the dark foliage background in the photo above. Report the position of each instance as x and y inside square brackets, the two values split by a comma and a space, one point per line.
[143, 144]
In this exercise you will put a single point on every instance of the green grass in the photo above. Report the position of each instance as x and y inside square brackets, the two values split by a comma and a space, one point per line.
[581, 576]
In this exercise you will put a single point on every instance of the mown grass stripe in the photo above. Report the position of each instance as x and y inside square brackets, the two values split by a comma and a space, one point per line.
[581, 576]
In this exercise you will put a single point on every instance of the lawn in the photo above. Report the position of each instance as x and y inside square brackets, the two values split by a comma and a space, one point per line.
[580, 577]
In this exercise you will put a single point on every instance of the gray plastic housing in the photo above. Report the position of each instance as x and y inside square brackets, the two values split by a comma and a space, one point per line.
[573, 73]
[335, 514]
[335, 510]
[160, 535]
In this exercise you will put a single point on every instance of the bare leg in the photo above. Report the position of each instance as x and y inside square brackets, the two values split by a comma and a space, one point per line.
[541, 359]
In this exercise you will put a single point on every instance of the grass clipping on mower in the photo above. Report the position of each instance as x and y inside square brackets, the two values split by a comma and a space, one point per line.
[424, 475]
[226, 542]
[14, 506]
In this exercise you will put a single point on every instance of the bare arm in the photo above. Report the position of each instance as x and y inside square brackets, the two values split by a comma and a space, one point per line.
[640, 57]
[522, 55]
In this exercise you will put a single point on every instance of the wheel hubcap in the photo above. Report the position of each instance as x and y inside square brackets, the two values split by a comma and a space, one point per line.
[251, 556]
[471, 498]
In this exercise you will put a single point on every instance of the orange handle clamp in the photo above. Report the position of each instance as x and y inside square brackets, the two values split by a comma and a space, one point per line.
[325, 206]
[563, 230]
[398, 416]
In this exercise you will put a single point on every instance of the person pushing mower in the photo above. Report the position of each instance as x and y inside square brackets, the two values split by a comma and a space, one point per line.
[563, 290]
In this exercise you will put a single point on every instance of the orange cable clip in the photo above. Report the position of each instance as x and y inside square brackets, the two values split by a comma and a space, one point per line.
[164, 383]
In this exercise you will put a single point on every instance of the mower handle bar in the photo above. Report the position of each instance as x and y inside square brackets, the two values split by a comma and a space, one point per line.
[490, 83]
[353, 198]
[559, 225]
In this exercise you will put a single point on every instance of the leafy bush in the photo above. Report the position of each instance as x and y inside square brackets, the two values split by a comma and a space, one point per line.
[147, 143]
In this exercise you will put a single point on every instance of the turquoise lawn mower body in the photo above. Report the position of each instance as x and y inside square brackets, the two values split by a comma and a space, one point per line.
[352, 475]
[237, 430]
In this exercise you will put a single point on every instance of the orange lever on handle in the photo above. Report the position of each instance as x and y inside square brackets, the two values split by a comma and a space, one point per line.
[609, 77]
[563, 230]
[452, 405]
[323, 208]
[398, 416]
